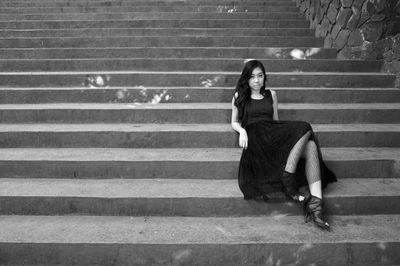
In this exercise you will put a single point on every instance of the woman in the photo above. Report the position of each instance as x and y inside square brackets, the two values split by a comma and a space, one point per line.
[272, 149]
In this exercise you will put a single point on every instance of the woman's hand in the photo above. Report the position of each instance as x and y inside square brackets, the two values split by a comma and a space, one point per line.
[243, 140]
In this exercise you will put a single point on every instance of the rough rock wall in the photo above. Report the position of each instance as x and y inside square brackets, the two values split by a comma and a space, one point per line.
[363, 29]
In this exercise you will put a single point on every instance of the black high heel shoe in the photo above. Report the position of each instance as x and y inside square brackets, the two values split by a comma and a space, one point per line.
[289, 187]
[313, 211]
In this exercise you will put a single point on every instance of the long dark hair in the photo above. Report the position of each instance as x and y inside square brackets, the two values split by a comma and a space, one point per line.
[243, 89]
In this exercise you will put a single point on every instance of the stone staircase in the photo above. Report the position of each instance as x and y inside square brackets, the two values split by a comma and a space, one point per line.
[116, 147]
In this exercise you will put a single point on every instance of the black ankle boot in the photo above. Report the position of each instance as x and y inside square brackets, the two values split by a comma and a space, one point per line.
[289, 187]
[313, 211]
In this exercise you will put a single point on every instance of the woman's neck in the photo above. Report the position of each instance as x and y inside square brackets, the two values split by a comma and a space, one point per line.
[256, 95]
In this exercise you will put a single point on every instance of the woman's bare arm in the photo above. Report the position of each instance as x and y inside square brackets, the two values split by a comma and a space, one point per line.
[243, 140]
[275, 105]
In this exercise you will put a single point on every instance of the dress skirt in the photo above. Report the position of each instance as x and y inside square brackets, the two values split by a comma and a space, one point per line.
[263, 162]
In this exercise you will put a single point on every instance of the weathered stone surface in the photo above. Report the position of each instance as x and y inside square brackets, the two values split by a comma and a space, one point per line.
[368, 51]
[343, 16]
[396, 47]
[355, 38]
[370, 8]
[328, 42]
[335, 31]
[332, 12]
[345, 53]
[388, 56]
[325, 6]
[307, 4]
[372, 31]
[303, 7]
[320, 15]
[378, 48]
[353, 20]
[378, 17]
[358, 4]
[379, 5]
[341, 39]
[325, 26]
[336, 3]
[318, 31]
[346, 3]
[388, 44]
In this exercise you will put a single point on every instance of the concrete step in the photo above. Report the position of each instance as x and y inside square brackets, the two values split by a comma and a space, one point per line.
[354, 240]
[226, 8]
[161, 41]
[191, 113]
[187, 64]
[183, 197]
[108, 3]
[191, 95]
[107, 32]
[148, 23]
[178, 135]
[91, 240]
[150, 15]
[195, 79]
[169, 52]
[216, 163]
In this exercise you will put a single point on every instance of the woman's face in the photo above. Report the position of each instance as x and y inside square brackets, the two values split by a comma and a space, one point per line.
[256, 80]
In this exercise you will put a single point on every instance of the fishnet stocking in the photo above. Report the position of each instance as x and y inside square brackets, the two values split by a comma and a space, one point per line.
[313, 172]
[296, 153]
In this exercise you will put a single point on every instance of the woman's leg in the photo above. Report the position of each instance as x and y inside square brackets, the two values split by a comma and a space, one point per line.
[296, 153]
[313, 172]
[314, 204]
[288, 179]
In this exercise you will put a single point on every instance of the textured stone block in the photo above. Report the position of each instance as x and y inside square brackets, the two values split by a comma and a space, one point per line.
[346, 3]
[303, 7]
[355, 38]
[378, 48]
[319, 15]
[318, 31]
[358, 4]
[345, 53]
[388, 56]
[379, 5]
[372, 30]
[335, 31]
[344, 16]
[354, 19]
[341, 39]
[388, 44]
[396, 47]
[325, 26]
[368, 51]
[328, 42]
[332, 13]
[307, 4]
[325, 6]
[370, 8]
[336, 3]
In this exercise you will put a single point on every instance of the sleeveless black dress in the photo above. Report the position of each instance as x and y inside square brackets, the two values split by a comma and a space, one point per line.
[269, 144]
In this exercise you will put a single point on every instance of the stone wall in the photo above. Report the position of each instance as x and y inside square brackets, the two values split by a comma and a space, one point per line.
[362, 29]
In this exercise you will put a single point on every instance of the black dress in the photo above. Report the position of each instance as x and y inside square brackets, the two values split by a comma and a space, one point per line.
[269, 144]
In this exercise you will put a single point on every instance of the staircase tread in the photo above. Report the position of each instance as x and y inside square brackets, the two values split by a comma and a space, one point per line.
[195, 230]
[175, 188]
[3, 88]
[178, 154]
[39, 73]
[129, 127]
[181, 106]
[224, 59]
